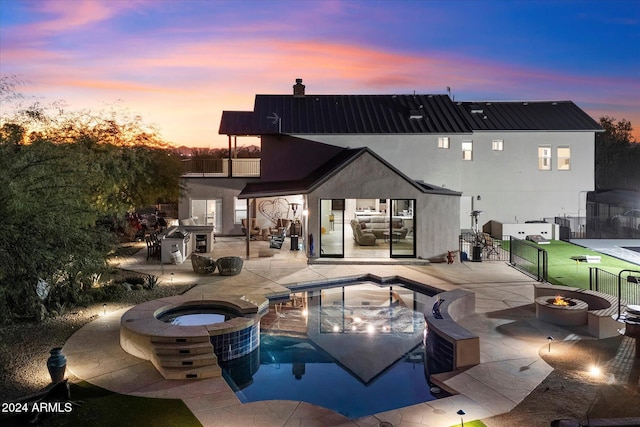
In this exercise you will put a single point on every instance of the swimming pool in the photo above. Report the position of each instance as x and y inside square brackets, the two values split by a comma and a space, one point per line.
[356, 348]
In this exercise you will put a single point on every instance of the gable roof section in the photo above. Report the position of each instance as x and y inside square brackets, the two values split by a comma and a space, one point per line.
[320, 175]
[517, 116]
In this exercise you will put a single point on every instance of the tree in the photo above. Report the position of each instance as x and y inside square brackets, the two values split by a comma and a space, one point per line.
[617, 156]
[60, 173]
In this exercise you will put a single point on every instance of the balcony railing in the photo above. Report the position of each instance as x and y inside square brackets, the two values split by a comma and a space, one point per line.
[220, 167]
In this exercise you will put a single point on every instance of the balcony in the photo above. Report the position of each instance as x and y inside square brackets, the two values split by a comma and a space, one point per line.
[248, 167]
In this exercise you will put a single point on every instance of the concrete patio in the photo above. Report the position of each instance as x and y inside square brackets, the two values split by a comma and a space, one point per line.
[510, 340]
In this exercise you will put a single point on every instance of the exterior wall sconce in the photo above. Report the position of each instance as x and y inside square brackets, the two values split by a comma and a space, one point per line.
[294, 208]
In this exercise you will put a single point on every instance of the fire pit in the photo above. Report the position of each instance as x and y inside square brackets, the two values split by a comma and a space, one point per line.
[561, 311]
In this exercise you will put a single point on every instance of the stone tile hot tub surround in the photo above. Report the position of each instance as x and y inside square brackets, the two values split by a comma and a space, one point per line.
[187, 352]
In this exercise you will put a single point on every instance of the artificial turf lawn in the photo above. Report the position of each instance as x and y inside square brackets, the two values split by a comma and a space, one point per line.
[565, 271]
[98, 407]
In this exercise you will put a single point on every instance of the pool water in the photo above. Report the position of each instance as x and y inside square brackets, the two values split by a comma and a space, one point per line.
[197, 315]
[356, 349]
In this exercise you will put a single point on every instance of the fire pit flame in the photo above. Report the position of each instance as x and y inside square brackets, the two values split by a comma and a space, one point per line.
[559, 300]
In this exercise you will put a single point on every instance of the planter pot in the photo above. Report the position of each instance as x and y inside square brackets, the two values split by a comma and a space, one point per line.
[57, 364]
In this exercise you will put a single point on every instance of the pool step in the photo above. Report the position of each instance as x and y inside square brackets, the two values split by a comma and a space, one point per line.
[163, 349]
[180, 340]
[185, 357]
[192, 373]
[188, 360]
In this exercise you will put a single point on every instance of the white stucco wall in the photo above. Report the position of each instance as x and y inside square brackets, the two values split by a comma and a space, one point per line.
[436, 226]
[510, 186]
[212, 188]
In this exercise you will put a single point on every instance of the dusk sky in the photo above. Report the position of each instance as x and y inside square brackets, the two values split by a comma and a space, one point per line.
[180, 63]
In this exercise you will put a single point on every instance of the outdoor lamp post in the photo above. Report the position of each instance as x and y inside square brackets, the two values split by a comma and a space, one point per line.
[295, 227]
[477, 243]
[461, 413]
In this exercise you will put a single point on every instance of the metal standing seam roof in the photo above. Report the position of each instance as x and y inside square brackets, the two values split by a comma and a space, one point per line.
[527, 115]
[348, 114]
[399, 114]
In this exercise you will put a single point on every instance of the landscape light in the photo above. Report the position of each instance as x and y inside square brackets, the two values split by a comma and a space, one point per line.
[461, 413]
[104, 309]
[595, 371]
[550, 338]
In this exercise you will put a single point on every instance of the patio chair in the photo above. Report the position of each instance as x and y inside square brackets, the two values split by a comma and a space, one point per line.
[153, 247]
[203, 264]
[229, 265]
[491, 246]
[277, 240]
[254, 230]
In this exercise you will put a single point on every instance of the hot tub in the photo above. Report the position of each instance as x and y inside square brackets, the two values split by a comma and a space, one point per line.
[185, 338]
[199, 315]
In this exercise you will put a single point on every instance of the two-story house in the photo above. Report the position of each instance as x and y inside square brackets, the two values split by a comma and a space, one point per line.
[514, 161]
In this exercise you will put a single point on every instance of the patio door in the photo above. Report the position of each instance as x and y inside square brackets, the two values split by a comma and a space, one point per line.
[401, 233]
[331, 228]
[207, 212]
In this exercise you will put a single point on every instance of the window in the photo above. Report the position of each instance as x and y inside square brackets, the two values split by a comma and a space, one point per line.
[207, 212]
[544, 158]
[497, 145]
[467, 150]
[564, 158]
[443, 142]
[239, 210]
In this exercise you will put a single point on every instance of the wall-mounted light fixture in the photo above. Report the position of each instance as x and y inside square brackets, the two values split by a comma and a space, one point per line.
[294, 208]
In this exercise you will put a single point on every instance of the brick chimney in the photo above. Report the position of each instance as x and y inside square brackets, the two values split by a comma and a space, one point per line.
[298, 89]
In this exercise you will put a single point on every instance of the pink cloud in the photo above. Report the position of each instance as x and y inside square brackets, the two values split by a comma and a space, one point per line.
[69, 15]
[205, 77]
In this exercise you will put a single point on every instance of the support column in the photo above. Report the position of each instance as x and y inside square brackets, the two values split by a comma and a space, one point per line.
[248, 227]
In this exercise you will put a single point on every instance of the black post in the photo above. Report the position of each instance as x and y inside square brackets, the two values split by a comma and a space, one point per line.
[620, 288]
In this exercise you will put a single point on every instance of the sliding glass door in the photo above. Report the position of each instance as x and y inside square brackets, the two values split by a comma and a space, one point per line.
[401, 234]
[332, 228]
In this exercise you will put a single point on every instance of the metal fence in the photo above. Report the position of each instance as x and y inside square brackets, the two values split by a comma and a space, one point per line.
[528, 258]
[625, 285]
[487, 248]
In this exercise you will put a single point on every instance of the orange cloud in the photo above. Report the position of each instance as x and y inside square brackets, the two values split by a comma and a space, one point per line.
[201, 78]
